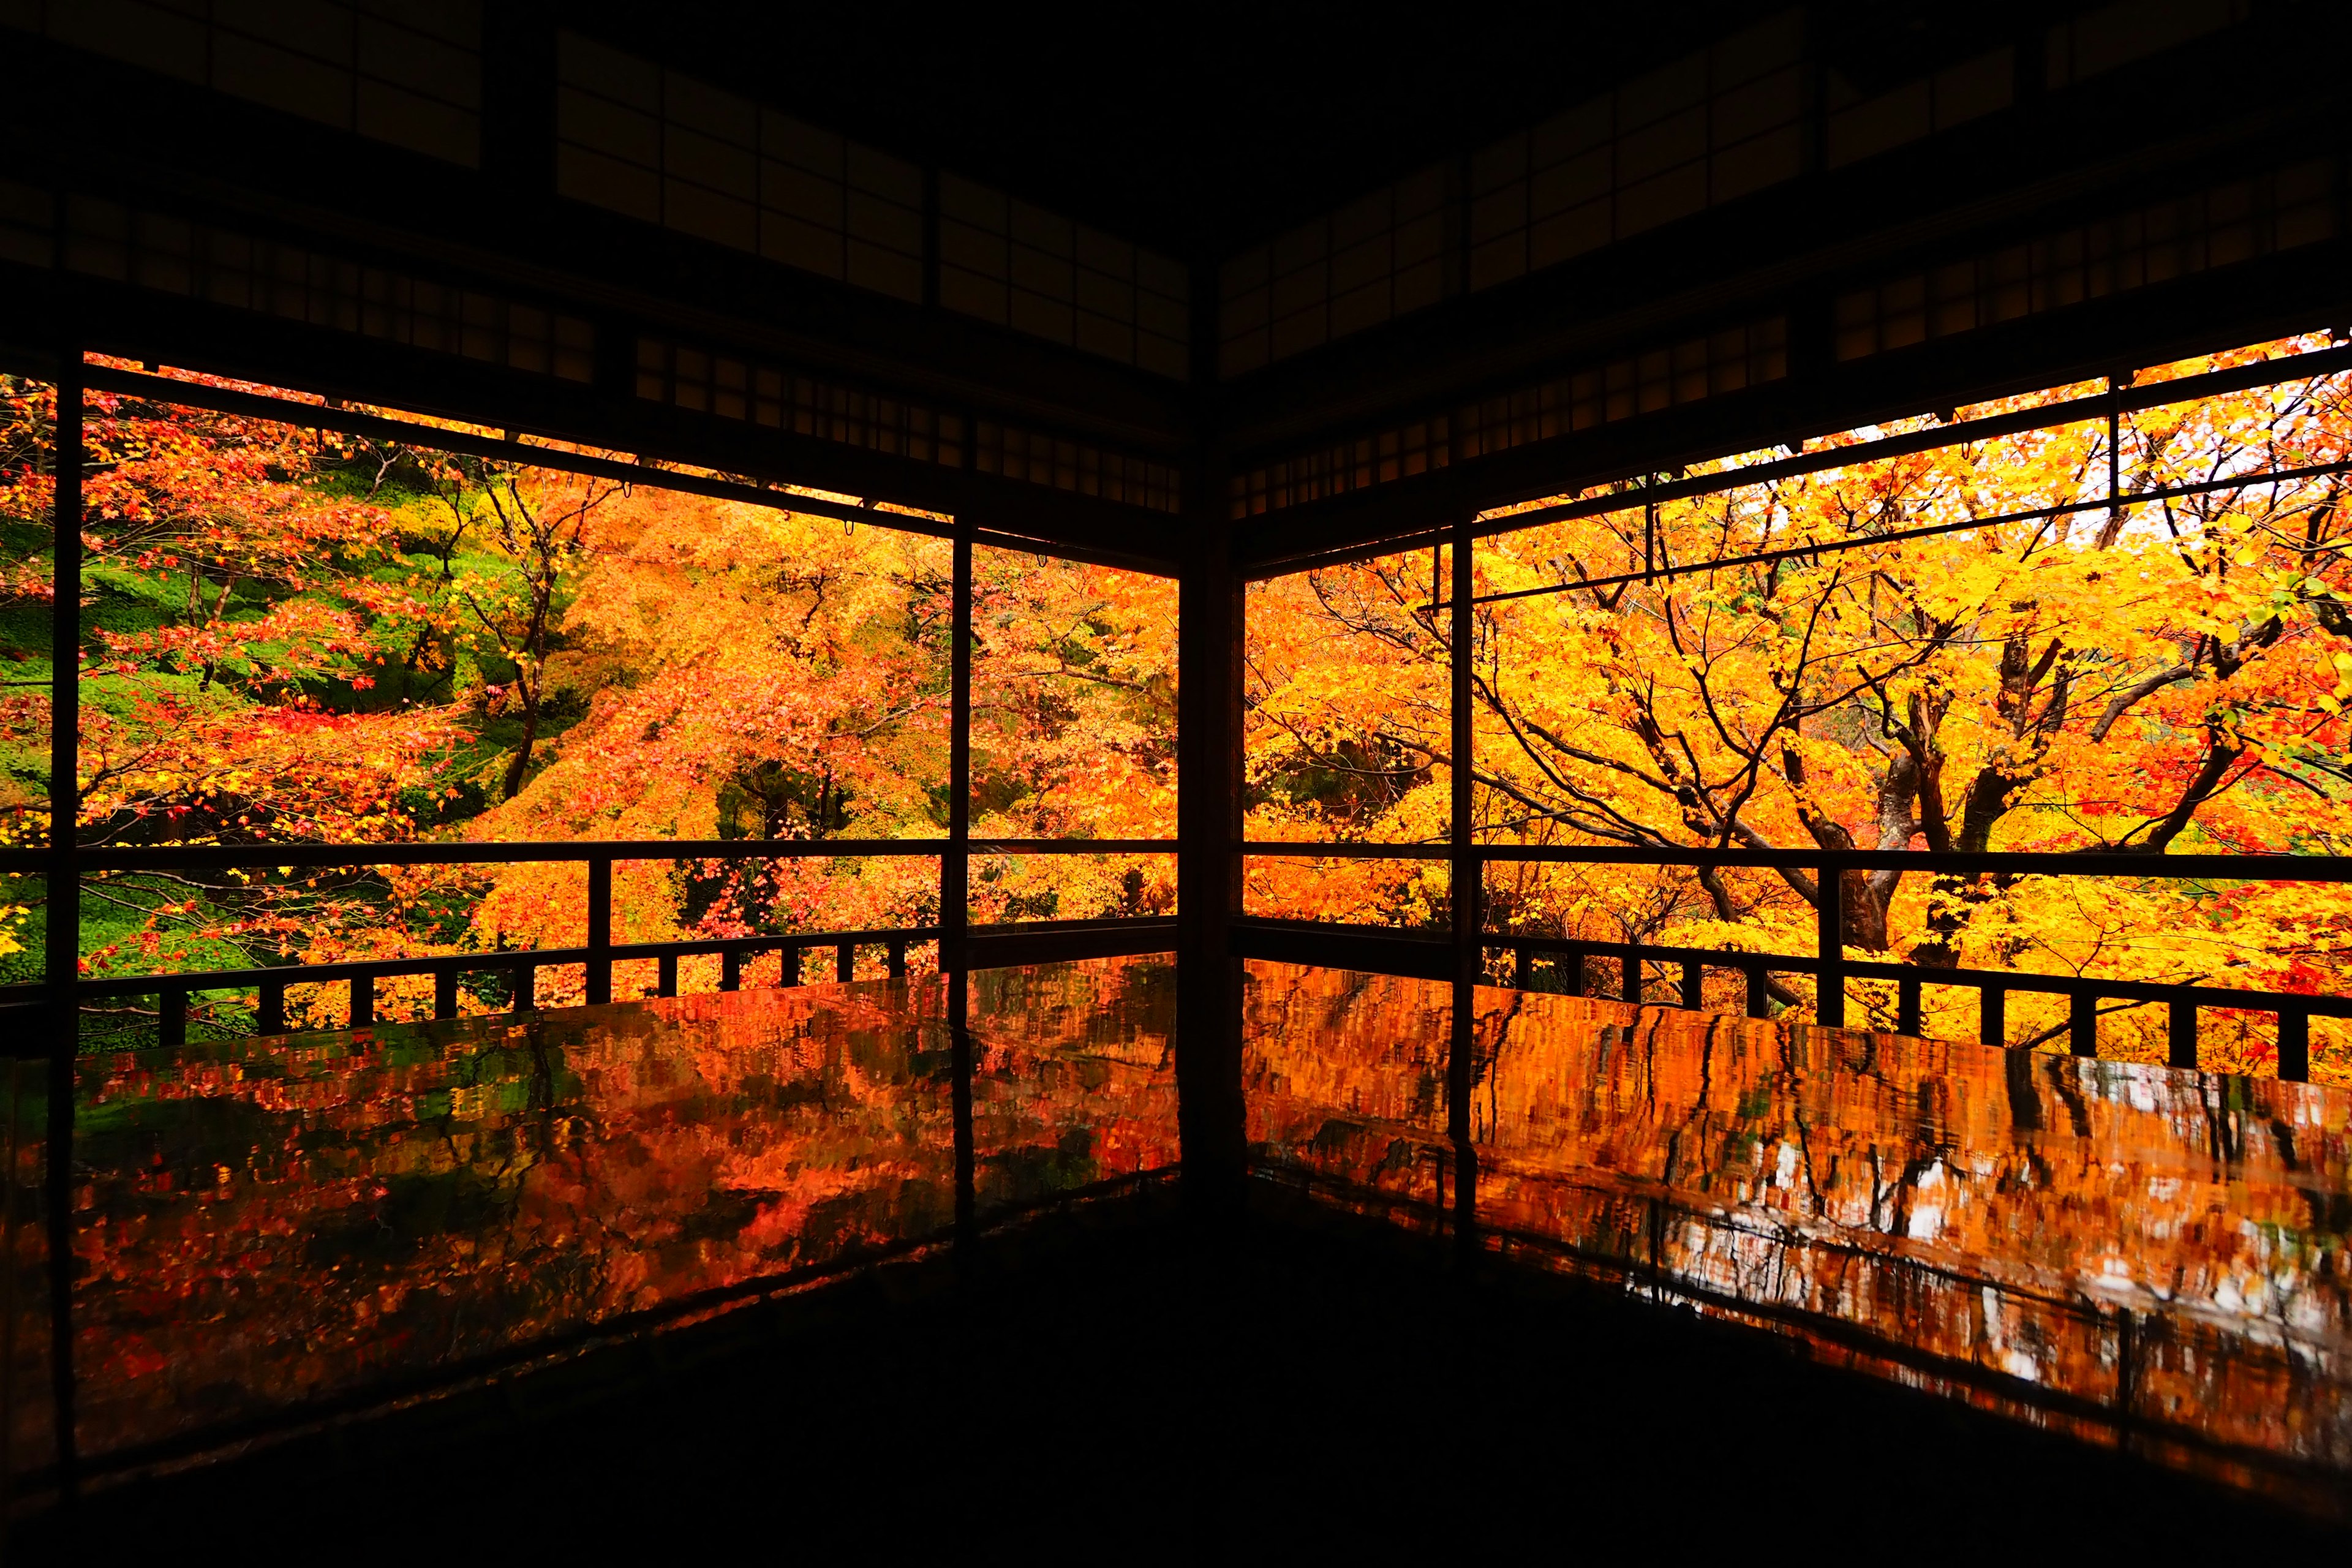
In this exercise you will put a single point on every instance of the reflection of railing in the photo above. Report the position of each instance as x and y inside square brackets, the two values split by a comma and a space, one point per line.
[1428, 956]
[1026, 942]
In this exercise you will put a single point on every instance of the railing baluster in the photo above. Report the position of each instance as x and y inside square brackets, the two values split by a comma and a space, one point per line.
[2294, 1045]
[600, 928]
[1529, 960]
[1529, 957]
[1829, 996]
[2183, 1043]
[2082, 1024]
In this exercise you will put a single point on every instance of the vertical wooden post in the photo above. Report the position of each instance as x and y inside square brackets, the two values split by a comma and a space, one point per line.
[1828, 1003]
[62, 955]
[2082, 1024]
[2181, 1032]
[955, 891]
[1993, 1016]
[1468, 878]
[1209, 632]
[2115, 384]
[1694, 991]
[1908, 1011]
[600, 928]
[445, 993]
[955, 860]
[1467, 872]
[2294, 1045]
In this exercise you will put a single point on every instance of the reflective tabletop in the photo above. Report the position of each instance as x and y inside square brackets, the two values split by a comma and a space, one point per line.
[2135, 1253]
[268, 1228]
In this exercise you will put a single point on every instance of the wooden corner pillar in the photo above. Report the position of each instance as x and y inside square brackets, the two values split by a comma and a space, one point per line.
[1207, 859]
[1209, 875]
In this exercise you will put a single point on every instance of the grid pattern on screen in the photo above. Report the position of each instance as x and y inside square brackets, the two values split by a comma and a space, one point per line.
[407, 72]
[661, 146]
[101, 238]
[1687, 371]
[1408, 449]
[2155, 244]
[1066, 465]
[1368, 262]
[1707, 129]
[1037, 272]
[1860, 125]
[683, 375]
[696, 379]
[2111, 36]
[1660, 378]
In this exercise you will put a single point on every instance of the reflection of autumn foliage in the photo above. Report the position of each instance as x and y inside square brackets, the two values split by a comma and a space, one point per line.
[27, 1417]
[263, 1225]
[1346, 1072]
[1075, 1081]
[2113, 1237]
[266, 1228]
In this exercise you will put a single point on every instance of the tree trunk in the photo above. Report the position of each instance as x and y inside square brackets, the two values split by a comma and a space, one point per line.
[521, 763]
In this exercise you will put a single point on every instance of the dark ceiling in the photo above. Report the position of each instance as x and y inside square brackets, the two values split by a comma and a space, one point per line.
[1198, 129]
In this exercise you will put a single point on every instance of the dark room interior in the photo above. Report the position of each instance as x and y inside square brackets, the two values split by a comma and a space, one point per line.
[1212, 782]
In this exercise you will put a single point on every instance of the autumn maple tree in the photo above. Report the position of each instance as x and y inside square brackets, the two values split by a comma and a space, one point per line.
[2134, 677]
[293, 636]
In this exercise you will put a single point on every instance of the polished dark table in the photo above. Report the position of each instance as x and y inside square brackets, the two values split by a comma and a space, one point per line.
[269, 1231]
